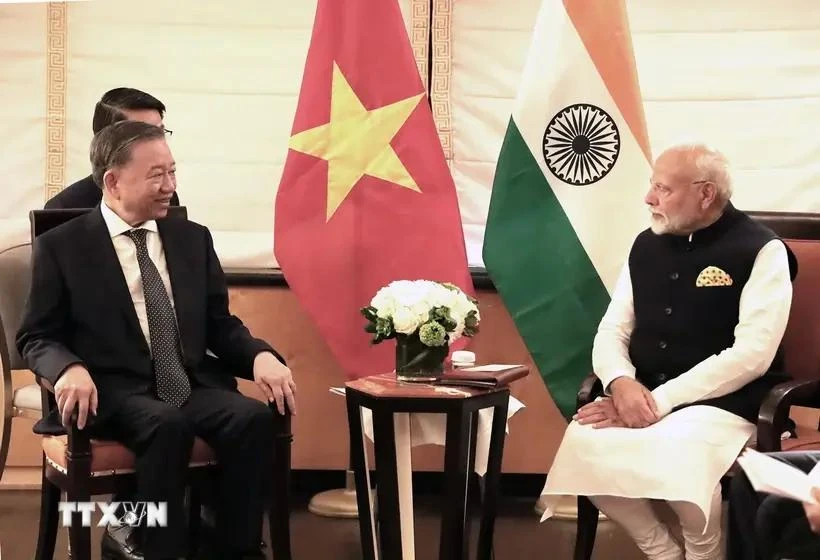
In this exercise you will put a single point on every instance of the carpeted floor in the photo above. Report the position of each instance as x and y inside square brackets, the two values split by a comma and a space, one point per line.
[518, 534]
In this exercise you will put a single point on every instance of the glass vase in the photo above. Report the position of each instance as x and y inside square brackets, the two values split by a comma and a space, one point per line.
[416, 362]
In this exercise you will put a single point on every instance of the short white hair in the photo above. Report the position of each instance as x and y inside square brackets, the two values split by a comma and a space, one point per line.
[711, 165]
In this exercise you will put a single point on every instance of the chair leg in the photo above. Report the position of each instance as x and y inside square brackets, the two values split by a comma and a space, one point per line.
[194, 518]
[5, 442]
[279, 500]
[47, 533]
[587, 527]
[78, 474]
[79, 537]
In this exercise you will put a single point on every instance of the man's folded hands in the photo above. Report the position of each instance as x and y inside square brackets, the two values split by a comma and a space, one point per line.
[630, 406]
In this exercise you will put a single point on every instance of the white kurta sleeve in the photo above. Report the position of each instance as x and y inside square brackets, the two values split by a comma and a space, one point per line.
[764, 312]
[610, 350]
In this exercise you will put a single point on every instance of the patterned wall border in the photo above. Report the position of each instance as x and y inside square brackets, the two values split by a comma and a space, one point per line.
[55, 97]
[420, 36]
[442, 74]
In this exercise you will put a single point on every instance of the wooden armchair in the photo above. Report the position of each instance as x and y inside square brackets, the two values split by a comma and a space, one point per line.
[23, 402]
[801, 346]
[83, 467]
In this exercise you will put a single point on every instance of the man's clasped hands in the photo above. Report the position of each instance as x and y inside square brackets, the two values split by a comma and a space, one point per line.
[629, 405]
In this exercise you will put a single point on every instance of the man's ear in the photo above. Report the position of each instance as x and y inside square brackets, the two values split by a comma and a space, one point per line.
[708, 194]
[110, 182]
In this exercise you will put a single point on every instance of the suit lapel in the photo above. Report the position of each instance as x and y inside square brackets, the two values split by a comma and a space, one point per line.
[105, 263]
[180, 270]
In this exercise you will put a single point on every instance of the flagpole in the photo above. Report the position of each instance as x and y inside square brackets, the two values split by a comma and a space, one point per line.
[339, 502]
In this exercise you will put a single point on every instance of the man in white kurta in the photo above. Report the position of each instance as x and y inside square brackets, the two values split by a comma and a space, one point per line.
[684, 354]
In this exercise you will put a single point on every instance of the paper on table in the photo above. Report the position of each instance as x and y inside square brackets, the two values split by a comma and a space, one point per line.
[771, 476]
[490, 367]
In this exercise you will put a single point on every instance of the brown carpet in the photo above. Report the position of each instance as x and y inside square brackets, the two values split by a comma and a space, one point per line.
[518, 533]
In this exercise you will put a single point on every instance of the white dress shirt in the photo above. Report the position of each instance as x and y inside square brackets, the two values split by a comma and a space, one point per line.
[764, 312]
[127, 255]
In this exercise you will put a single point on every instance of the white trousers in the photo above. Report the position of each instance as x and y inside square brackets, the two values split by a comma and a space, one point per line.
[653, 538]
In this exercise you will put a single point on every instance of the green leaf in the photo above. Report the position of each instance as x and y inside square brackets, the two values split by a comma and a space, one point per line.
[369, 312]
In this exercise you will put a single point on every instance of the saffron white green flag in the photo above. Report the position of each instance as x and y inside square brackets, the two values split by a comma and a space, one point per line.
[568, 192]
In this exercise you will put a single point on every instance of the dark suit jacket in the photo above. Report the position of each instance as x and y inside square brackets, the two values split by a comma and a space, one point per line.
[80, 311]
[84, 194]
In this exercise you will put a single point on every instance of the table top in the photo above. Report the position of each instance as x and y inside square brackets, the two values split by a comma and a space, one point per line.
[385, 385]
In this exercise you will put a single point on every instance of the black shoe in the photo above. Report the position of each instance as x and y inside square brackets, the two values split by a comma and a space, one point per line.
[121, 543]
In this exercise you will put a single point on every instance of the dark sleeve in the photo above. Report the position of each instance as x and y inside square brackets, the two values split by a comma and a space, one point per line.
[43, 334]
[227, 336]
[174, 199]
[805, 461]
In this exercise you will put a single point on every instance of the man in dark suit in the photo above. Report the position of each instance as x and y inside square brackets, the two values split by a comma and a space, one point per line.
[769, 527]
[122, 309]
[116, 105]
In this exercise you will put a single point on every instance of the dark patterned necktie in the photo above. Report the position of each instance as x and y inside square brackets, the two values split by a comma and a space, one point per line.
[173, 385]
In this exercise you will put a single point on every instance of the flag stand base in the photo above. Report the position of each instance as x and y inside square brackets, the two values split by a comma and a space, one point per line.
[566, 510]
[340, 502]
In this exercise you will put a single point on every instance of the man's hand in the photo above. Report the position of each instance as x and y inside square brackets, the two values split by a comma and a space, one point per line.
[813, 511]
[601, 414]
[75, 388]
[276, 381]
[634, 403]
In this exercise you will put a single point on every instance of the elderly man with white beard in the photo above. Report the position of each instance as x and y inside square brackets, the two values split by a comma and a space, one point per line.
[686, 353]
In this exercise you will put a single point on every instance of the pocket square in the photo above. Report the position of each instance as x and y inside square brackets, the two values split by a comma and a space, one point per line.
[713, 276]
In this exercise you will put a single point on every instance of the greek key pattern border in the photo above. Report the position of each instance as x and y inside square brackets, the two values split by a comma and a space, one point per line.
[420, 35]
[56, 52]
[442, 73]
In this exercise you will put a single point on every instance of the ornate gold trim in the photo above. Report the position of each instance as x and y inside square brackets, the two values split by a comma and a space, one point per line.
[420, 35]
[56, 40]
[442, 73]
[111, 472]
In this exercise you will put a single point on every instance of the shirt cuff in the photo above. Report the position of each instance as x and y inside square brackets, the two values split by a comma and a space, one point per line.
[610, 376]
[662, 401]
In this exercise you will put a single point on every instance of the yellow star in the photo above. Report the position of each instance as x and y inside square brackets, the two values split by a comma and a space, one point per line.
[356, 141]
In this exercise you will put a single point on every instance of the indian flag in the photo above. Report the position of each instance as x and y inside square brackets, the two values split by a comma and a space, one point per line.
[567, 196]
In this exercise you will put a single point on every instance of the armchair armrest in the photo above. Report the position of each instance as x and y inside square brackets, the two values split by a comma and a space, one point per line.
[774, 412]
[591, 389]
[45, 384]
[281, 421]
[78, 440]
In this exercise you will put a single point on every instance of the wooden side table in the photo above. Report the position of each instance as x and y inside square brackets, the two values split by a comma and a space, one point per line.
[391, 402]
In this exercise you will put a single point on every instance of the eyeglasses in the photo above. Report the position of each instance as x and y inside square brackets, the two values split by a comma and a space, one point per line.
[664, 190]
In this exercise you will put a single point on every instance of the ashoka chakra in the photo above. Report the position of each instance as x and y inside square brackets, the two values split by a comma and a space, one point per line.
[581, 144]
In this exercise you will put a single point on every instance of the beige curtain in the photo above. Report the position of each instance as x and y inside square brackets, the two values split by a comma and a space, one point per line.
[741, 74]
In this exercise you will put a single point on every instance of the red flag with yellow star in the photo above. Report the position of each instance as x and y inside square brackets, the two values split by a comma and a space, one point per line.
[366, 196]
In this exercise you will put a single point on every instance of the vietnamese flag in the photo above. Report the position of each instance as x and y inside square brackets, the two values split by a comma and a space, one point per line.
[366, 196]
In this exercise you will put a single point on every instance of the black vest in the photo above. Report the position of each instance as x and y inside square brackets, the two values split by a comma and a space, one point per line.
[678, 323]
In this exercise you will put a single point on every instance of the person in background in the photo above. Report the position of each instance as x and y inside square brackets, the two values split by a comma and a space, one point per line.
[116, 105]
[768, 527]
